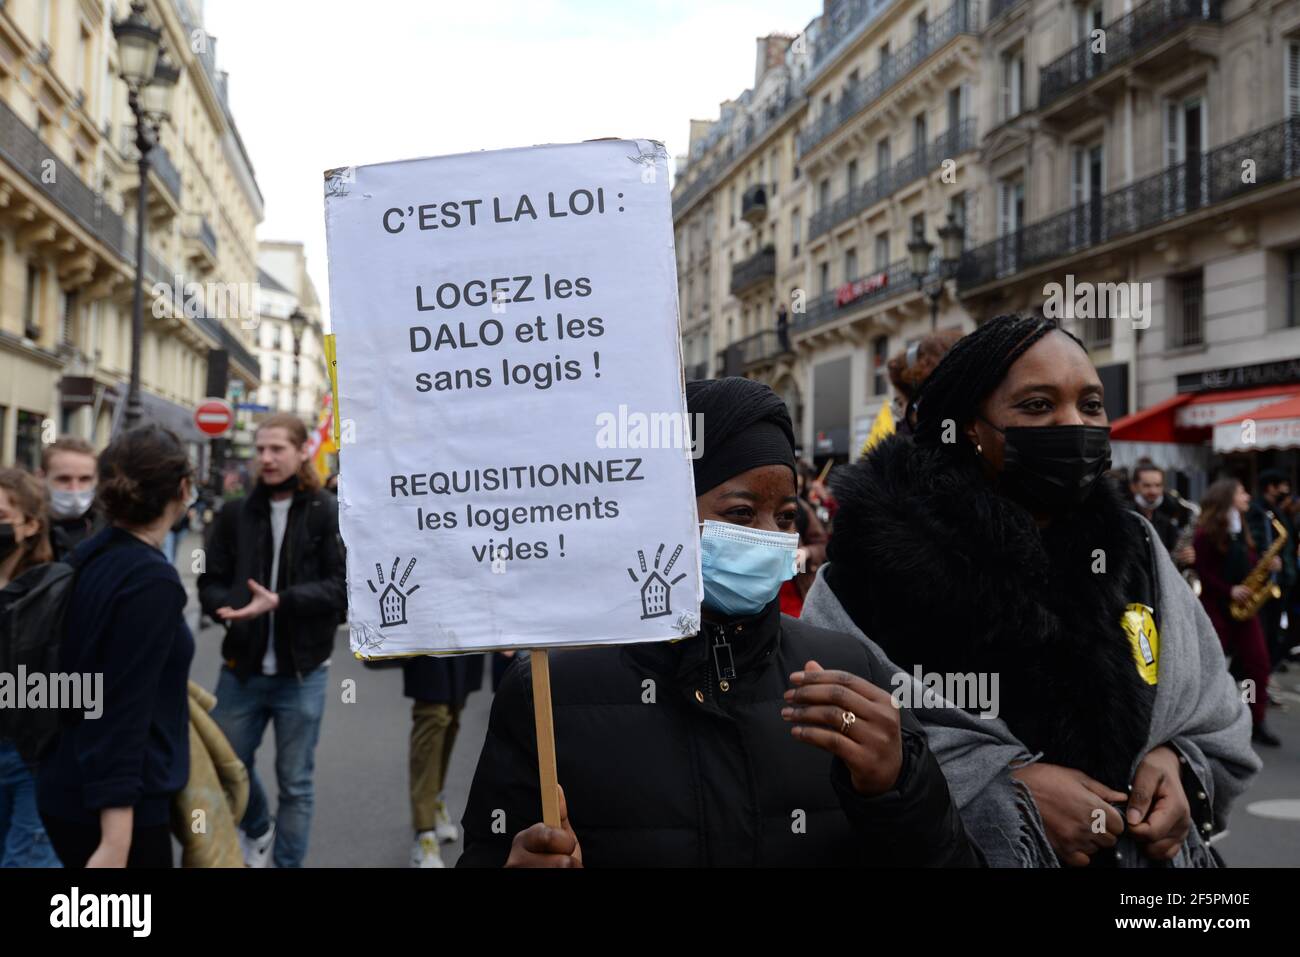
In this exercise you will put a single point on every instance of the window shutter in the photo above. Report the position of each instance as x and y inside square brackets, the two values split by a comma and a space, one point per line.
[1293, 78]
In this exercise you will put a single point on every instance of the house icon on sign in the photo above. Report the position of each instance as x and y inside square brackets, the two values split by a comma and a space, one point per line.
[654, 597]
[392, 606]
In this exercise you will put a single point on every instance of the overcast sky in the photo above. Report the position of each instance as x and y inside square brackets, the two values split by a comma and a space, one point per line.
[326, 83]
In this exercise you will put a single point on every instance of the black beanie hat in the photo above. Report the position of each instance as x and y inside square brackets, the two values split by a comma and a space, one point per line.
[742, 425]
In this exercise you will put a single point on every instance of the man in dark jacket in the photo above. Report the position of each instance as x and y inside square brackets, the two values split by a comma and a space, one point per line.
[1274, 489]
[68, 468]
[760, 741]
[1167, 513]
[275, 576]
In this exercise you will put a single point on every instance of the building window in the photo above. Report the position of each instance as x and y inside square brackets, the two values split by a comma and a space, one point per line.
[882, 251]
[1011, 206]
[1293, 288]
[1013, 83]
[918, 226]
[851, 177]
[275, 368]
[824, 194]
[918, 132]
[883, 160]
[1187, 302]
[1293, 78]
[850, 264]
[68, 319]
[796, 232]
[824, 278]
[879, 364]
[27, 440]
[32, 304]
[957, 209]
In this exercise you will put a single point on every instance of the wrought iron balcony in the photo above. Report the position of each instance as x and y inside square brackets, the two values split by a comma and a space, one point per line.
[750, 272]
[1199, 183]
[762, 347]
[843, 19]
[894, 280]
[23, 149]
[948, 144]
[960, 18]
[1125, 38]
[167, 172]
[207, 236]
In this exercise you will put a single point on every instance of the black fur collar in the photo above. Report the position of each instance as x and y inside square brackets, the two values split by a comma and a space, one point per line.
[944, 573]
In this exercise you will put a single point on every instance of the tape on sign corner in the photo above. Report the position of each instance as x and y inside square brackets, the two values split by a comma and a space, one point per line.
[331, 360]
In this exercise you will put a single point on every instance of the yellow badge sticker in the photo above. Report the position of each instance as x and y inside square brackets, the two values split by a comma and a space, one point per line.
[1140, 627]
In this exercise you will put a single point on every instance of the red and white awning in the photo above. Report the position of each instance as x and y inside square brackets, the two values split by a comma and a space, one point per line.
[1211, 408]
[1273, 425]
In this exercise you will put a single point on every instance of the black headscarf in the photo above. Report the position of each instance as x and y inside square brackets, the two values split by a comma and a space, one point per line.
[738, 425]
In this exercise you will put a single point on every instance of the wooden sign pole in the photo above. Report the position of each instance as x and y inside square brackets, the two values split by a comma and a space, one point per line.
[541, 667]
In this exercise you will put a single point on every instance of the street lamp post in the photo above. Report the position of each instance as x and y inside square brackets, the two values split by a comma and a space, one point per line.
[150, 80]
[951, 235]
[297, 323]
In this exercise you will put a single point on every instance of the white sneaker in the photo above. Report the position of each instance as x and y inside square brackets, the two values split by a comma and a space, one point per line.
[447, 832]
[424, 853]
[257, 850]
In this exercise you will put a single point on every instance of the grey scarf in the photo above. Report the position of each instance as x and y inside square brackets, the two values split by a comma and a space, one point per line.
[1198, 711]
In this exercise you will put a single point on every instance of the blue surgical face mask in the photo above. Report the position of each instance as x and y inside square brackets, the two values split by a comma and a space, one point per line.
[744, 567]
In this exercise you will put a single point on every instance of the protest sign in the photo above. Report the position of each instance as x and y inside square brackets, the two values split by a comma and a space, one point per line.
[515, 460]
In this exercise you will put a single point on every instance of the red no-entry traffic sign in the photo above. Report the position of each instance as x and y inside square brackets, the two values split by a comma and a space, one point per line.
[214, 417]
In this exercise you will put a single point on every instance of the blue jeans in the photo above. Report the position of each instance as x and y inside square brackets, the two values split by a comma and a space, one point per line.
[243, 711]
[23, 842]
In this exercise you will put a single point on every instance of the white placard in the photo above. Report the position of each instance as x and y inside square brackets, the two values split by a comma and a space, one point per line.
[515, 468]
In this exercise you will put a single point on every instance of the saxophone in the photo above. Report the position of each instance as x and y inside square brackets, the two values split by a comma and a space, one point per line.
[1259, 581]
[1185, 538]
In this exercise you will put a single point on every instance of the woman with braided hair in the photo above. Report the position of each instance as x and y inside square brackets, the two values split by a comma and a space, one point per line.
[987, 545]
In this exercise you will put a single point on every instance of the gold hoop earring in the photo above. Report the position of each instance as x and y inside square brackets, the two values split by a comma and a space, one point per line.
[979, 449]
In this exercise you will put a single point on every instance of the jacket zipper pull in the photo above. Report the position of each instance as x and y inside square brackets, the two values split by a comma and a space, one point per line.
[722, 657]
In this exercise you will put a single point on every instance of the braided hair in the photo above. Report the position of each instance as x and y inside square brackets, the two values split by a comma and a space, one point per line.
[972, 369]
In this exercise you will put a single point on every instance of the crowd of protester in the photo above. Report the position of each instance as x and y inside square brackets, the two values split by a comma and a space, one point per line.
[965, 543]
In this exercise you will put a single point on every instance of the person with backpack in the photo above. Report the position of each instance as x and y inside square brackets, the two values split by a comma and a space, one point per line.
[24, 562]
[105, 791]
[275, 577]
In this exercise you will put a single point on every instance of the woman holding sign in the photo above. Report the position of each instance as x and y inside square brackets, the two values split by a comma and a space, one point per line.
[760, 741]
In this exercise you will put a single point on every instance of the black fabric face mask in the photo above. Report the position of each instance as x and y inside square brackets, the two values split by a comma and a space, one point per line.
[7, 541]
[1053, 467]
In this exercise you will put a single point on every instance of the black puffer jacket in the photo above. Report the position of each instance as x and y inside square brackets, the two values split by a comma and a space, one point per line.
[660, 767]
[312, 582]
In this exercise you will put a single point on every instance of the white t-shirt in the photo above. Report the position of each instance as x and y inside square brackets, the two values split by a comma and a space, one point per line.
[279, 522]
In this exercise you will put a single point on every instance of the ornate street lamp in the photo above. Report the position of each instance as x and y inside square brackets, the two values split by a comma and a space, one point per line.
[951, 237]
[297, 324]
[150, 81]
